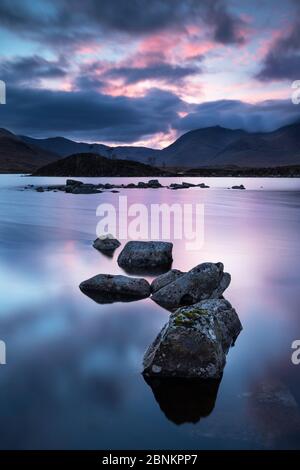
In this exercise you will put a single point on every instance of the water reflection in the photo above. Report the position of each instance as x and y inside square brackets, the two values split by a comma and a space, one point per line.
[274, 413]
[184, 400]
[72, 378]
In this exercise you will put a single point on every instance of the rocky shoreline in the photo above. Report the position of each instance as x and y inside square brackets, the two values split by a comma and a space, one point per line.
[78, 187]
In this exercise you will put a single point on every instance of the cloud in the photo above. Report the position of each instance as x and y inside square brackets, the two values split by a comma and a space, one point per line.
[280, 67]
[90, 115]
[93, 116]
[32, 69]
[159, 71]
[227, 28]
[233, 114]
[282, 61]
[45, 22]
[52, 22]
[144, 16]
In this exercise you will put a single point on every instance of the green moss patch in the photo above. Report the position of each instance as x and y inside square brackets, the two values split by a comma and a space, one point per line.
[188, 318]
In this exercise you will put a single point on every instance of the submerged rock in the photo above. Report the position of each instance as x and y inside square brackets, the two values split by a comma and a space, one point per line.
[185, 185]
[82, 189]
[70, 182]
[154, 184]
[141, 255]
[207, 280]
[108, 288]
[175, 186]
[165, 279]
[107, 244]
[194, 342]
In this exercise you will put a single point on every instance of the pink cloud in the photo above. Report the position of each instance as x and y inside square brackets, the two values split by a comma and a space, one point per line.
[192, 49]
[159, 140]
[267, 43]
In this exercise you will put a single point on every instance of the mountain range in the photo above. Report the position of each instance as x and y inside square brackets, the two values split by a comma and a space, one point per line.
[18, 156]
[210, 147]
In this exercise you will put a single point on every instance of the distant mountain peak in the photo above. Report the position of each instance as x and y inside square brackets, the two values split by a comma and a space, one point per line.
[205, 147]
[6, 133]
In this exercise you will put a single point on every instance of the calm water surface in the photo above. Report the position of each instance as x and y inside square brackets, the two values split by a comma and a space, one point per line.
[72, 378]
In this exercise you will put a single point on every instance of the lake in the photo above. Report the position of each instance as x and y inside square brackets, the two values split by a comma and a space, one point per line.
[73, 374]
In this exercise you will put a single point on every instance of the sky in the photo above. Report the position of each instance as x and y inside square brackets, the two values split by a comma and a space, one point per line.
[140, 72]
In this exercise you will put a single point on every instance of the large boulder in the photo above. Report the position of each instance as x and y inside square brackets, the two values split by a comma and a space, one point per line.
[165, 279]
[194, 342]
[71, 182]
[82, 189]
[106, 244]
[154, 184]
[142, 256]
[108, 288]
[205, 281]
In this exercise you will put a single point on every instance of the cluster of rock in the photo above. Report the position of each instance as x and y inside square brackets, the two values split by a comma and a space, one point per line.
[202, 326]
[78, 187]
[187, 185]
[194, 342]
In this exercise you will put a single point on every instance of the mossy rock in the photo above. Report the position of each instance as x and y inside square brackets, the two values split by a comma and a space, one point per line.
[189, 317]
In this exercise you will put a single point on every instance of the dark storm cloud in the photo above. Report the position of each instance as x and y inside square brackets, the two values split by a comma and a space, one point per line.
[283, 59]
[143, 16]
[93, 116]
[280, 67]
[89, 115]
[31, 69]
[227, 27]
[15, 14]
[49, 23]
[64, 21]
[233, 114]
[160, 71]
[89, 82]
